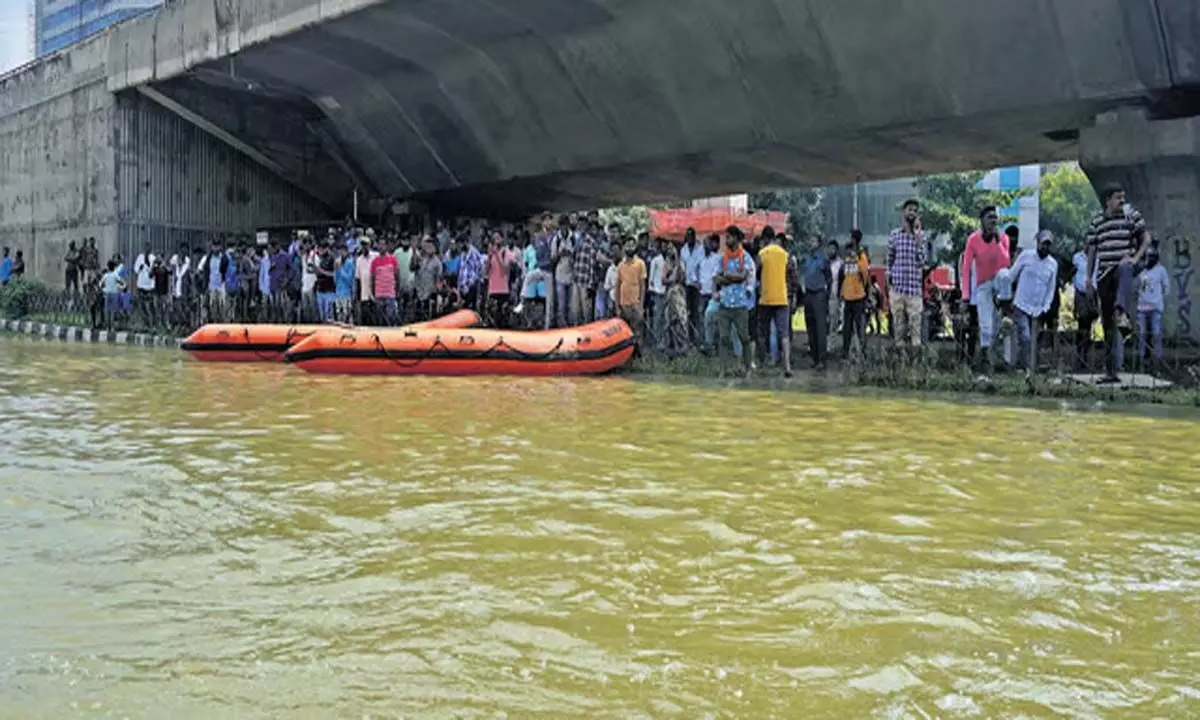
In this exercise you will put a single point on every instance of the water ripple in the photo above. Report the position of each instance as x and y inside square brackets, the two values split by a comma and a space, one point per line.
[189, 540]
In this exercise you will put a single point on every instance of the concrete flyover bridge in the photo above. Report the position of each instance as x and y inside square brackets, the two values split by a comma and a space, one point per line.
[510, 106]
[573, 103]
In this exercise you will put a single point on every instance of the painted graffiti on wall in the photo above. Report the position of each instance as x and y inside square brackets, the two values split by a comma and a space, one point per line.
[1181, 273]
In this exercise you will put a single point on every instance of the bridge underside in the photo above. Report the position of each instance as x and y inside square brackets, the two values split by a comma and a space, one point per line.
[510, 106]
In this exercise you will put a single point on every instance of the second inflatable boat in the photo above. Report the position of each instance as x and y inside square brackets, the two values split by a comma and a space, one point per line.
[584, 350]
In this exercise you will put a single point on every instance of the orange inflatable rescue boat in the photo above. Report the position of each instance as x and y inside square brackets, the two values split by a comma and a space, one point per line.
[585, 350]
[268, 343]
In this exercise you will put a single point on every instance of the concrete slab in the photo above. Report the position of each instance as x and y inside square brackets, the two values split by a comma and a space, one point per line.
[1128, 381]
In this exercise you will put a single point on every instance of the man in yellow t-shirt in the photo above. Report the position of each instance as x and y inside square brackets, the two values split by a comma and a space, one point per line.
[631, 291]
[773, 308]
[852, 284]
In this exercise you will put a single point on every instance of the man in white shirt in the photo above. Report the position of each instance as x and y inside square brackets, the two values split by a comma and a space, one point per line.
[657, 297]
[308, 280]
[362, 274]
[144, 282]
[710, 266]
[1035, 280]
[181, 265]
[141, 268]
[691, 255]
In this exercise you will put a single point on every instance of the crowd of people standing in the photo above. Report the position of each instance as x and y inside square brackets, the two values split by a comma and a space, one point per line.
[1115, 274]
[726, 295]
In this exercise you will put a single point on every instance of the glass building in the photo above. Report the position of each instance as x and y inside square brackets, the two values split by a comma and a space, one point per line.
[59, 23]
[874, 207]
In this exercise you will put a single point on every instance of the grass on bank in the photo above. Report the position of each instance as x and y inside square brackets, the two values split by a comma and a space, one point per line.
[937, 372]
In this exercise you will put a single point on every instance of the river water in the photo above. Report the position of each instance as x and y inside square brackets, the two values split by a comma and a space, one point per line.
[199, 541]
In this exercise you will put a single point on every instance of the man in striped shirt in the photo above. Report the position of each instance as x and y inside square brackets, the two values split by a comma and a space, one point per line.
[1117, 241]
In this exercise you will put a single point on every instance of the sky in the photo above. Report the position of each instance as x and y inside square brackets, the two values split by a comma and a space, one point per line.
[15, 18]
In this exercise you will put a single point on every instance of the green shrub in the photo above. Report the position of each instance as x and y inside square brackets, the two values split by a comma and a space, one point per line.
[19, 297]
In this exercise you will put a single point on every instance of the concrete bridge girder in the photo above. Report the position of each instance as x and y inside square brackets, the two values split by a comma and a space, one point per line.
[441, 98]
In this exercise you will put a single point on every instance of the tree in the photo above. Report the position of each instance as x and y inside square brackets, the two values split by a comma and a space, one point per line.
[633, 219]
[950, 205]
[1067, 203]
[803, 206]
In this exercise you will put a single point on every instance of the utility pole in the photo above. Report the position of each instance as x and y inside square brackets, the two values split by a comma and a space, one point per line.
[857, 224]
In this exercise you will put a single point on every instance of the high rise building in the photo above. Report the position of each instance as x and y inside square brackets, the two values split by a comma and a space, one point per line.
[16, 33]
[1026, 209]
[62, 22]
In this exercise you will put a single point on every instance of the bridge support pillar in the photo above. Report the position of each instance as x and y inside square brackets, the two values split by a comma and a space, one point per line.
[1158, 164]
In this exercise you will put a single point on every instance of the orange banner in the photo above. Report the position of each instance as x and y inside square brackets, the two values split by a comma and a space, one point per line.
[674, 223]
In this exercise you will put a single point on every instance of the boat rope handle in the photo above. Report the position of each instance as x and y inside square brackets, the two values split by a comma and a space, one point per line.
[525, 355]
[258, 353]
[437, 341]
[291, 335]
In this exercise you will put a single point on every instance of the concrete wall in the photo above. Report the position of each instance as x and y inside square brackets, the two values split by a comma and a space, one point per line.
[77, 161]
[56, 158]
[177, 184]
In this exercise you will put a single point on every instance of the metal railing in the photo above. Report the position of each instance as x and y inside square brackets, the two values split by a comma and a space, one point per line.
[164, 314]
[1057, 350]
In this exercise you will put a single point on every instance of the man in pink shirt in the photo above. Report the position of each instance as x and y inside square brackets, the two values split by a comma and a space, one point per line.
[986, 255]
[384, 271]
[498, 267]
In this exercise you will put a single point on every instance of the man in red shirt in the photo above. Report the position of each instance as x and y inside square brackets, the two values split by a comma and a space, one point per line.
[497, 270]
[986, 254]
[385, 272]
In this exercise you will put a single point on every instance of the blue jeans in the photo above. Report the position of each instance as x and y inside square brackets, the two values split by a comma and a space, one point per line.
[562, 303]
[1153, 319]
[710, 329]
[325, 306]
[772, 330]
[386, 307]
[112, 307]
[602, 304]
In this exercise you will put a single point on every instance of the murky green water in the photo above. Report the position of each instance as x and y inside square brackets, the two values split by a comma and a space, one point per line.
[189, 541]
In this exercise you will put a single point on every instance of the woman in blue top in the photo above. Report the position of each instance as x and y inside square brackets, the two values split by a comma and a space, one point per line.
[343, 278]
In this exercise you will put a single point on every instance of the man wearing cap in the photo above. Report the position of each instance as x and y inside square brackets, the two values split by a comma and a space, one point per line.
[905, 270]
[1035, 280]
